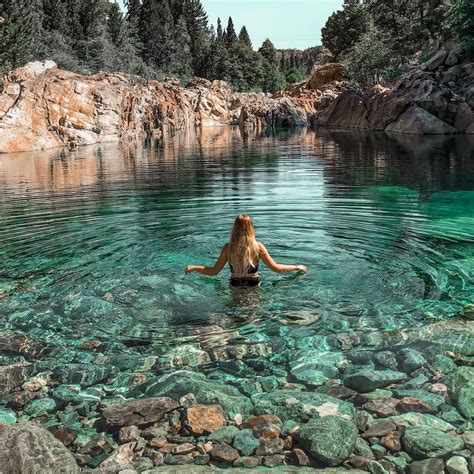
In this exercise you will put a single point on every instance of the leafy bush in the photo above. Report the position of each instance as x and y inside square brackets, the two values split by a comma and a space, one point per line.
[369, 60]
[461, 19]
[343, 28]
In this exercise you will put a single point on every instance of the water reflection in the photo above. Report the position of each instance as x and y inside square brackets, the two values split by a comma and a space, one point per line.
[94, 240]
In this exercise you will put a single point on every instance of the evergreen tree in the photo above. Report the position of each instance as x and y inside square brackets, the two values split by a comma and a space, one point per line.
[116, 25]
[219, 32]
[55, 16]
[230, 34]
[368, 62]
[20, 33]
[461, 18]
[273, 79]
[196, 21]
[344, 28]
[269, 52]
[293, 75]
[244, 38]
[156, 30]
[181, 55]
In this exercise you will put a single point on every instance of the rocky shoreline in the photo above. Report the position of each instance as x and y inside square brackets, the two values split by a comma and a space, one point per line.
[44, 107]
[382, 402]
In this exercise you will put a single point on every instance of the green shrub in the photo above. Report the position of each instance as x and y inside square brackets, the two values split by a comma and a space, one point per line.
[461, 19]
[369, 60]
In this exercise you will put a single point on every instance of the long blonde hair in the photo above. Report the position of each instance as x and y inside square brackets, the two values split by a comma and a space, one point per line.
[243, 250]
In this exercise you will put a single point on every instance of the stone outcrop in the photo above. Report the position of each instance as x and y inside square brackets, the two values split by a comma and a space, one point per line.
[433, 98]
[44, 107]
[30, 448]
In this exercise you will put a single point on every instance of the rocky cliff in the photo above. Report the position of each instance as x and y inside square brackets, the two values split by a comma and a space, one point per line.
[436, 97]
[44, 107]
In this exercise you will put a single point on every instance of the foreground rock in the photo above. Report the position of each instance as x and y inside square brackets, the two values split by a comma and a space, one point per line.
[330, 439]
[29, 448]
[138, 412]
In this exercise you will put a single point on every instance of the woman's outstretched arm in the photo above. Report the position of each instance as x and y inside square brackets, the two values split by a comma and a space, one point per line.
[277, 267]
[210, 271]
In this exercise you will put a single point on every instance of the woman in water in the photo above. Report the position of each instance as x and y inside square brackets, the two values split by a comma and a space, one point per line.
[243, 253]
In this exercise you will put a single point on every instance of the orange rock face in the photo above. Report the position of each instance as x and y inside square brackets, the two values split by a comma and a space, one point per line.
[44, 107]
[205, 418]
[325, 75]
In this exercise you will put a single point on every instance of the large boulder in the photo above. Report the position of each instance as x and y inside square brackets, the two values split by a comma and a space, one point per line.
[330, 439]
[349, 110]
[460, 384]
[207, 392]
[418, 121]
[28, 448]
[326, 74]
[424, 442]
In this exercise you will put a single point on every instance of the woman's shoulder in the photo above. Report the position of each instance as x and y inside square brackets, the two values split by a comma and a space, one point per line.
[261, 247]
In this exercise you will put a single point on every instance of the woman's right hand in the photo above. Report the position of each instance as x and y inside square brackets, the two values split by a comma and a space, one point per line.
[188, 269]
[301, 268]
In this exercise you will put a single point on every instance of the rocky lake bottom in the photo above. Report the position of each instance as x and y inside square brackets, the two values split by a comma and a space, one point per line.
[112, 360]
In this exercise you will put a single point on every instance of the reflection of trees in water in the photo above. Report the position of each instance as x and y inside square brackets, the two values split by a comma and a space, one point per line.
[423, 163]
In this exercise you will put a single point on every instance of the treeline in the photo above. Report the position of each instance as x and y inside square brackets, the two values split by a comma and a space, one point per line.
[152, 38]
[376, 39]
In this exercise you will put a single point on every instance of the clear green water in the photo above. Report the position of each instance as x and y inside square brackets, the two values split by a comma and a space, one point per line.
[94, 242]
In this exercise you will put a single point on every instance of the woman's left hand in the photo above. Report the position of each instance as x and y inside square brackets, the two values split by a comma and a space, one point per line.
[188, 269]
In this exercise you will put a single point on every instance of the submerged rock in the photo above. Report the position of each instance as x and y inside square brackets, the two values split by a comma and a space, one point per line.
[366, 380]
[427, 466]
[425, 442]
[224, 435]
[205, 418]
[300, 406]
[330, 439]
[30, 448]
[180, 383]
[245, 442]
[137, 412]
[12, 376]
[225, 453]
[460, 384]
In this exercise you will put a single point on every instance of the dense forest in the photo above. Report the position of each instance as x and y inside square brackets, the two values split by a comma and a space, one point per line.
[375, 39]
[152, 38]
[378, 39]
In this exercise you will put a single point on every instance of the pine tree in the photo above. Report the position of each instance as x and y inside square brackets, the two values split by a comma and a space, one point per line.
[269, 52]
[368, 61]
[198, 30]
[55, 16]
[219, 32]
[156, 29]
[133, 16]
[344, 28]
[180, 56]
[230, 35]
[116, 25]
[20, 33]
[244, 38]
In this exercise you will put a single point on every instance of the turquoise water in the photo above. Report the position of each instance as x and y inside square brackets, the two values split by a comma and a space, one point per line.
[94, 241]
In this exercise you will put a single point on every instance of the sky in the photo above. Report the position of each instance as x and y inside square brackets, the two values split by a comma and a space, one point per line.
[288, 23]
